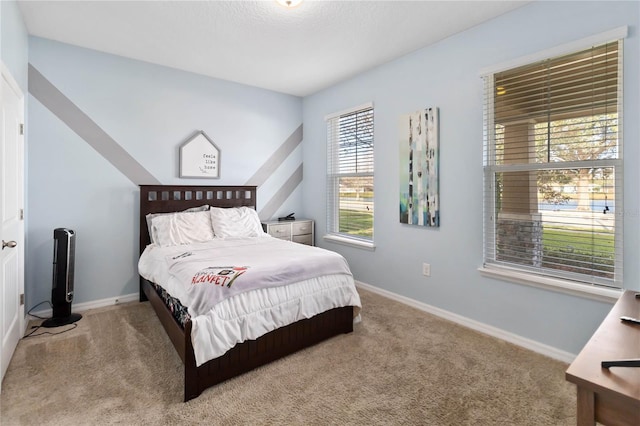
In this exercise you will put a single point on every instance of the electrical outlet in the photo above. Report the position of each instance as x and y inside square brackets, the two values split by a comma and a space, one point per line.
[426, 269]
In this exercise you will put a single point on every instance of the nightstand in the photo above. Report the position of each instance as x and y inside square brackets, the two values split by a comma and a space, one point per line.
[299, 230]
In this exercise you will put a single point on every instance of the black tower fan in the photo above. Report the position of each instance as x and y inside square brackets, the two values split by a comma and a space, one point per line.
[64, 253]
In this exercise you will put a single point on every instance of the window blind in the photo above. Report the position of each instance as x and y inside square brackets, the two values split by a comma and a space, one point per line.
[350, 171]
[553, 166]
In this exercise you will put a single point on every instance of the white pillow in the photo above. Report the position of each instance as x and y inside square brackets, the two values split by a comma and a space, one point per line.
[182, 228]
[150, 217]
[235, 222]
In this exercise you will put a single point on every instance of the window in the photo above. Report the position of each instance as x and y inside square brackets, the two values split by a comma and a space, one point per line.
[350, 175]
[553, 167]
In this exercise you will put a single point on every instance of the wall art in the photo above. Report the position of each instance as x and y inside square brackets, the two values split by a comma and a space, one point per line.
[419, 168]
[199, 157]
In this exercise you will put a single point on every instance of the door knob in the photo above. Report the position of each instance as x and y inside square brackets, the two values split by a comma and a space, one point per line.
[10, 244]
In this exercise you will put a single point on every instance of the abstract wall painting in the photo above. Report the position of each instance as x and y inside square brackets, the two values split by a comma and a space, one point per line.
[419, 167]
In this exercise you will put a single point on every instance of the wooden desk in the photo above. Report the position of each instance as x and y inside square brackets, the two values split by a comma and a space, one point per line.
[610, 396]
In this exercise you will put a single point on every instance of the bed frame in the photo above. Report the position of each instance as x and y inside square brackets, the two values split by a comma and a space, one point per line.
[249, 354]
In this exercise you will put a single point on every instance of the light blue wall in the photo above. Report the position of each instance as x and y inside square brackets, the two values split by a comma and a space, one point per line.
[149, 111]
[14, 42]
[447, 75]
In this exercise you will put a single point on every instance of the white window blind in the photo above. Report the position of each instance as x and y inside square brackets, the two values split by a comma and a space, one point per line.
[350, 169]
[553, 167]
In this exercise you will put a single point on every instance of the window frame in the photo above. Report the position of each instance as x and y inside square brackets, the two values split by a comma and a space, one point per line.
[333, 193]
[513, 273]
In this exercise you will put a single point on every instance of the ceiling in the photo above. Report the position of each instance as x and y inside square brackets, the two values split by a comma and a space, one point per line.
[297, 51]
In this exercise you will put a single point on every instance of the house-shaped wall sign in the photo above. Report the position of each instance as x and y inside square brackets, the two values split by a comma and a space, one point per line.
[199, 157]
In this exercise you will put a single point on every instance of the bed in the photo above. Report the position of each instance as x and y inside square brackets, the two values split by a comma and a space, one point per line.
[248, 354]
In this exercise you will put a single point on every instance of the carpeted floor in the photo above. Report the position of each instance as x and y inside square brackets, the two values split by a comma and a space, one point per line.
[399, 366]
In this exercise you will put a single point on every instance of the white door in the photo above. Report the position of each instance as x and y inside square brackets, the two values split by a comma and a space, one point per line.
[11, 222]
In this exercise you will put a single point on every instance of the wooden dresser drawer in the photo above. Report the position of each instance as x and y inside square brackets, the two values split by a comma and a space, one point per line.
[301, 228]
[303, 239]
[280, 231]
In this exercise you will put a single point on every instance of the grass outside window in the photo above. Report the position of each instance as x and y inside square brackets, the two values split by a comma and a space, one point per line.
[358, 223]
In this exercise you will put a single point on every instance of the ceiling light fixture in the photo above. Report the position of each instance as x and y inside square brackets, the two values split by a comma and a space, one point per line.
[289, 4]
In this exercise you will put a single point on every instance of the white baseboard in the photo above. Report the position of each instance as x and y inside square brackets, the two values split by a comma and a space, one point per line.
[81, 307]
[532, 345]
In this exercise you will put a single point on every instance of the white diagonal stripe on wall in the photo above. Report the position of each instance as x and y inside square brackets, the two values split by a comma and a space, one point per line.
[281, 196]
[63, 108]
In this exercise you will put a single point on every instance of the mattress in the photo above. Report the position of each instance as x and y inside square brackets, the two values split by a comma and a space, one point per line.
[294, 288]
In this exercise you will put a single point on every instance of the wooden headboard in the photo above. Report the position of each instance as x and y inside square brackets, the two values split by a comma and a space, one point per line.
[175, 198]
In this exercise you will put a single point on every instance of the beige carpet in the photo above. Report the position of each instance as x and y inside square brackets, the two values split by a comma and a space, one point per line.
[400, 366]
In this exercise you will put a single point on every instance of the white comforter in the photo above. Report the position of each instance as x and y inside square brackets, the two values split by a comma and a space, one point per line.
[240, 289]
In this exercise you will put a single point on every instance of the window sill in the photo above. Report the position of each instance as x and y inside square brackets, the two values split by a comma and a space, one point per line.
[609, 295]
[352, 242]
